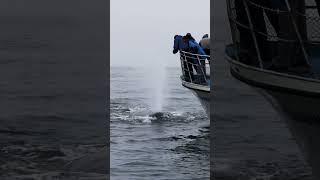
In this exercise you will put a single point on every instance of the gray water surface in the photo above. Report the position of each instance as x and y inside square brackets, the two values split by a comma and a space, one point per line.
[174, 144]
[52, 97]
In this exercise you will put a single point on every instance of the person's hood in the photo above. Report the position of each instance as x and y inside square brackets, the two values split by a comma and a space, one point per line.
[205, 36]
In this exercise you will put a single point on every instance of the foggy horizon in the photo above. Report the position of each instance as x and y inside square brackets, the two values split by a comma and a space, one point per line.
[148, 38]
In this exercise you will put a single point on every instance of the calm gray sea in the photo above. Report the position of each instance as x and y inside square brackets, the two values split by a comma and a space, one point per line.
[52, 97]
[172, 145]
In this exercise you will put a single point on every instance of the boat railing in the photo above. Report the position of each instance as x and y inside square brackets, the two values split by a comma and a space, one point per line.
[269, 30]
[195, 68]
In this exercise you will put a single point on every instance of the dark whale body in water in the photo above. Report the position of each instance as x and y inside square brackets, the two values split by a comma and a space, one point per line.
[162, 115]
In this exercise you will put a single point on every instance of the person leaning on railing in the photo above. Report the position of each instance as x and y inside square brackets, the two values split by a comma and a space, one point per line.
[188, 44]
[182, 44]
[205, 44]
[189, 37]
[199, 60]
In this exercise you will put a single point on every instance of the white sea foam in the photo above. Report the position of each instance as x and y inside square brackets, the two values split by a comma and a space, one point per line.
[176, 113]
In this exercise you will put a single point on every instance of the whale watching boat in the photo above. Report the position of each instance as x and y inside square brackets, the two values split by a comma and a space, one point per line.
[281, 59]
[196, 76]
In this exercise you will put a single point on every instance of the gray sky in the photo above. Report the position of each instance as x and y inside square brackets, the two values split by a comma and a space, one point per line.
[142, 30]
[53, 8]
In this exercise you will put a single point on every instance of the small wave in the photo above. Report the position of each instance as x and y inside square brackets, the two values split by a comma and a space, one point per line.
[17, 132]
[137, 109]
[141, 113]
[38, 97]
[257, 170]
[144, 119]
[119, 116]
[196, 147]
[42, 117]
[132, 118]
[190, 118]
[29, 152]
[177, 113]
[57, 175]
[52, 162]
[171, 138]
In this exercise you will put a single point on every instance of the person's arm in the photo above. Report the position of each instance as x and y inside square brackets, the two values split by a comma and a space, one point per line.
[201, 51]
[175, 51]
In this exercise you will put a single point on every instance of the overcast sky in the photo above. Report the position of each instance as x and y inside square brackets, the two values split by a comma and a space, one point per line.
[142, 30]
[53, 8]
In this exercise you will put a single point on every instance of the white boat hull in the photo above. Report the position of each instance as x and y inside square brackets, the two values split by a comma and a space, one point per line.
[202, 93]
[297, 99]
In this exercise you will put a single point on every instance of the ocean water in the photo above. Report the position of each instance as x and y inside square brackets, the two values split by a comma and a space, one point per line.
[53, 98]
[171, 144]
[251, 140]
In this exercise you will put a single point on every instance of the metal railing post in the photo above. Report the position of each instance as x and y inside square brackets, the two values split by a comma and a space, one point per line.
[185, 58]
[197, 59]
[253, 33]
[201, 67]
[182, 65]
[298, 33]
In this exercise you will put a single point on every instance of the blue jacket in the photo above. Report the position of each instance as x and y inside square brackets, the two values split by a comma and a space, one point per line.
[196, 48]
[179, 44]
[192, 46]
